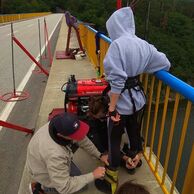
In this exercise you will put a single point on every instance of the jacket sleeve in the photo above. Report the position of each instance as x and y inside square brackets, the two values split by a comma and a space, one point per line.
[59, 172]
[89, 147]
[158, 61]
[114, 69]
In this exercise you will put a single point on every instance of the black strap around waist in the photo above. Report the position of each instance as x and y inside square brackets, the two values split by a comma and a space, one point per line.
[131, 83]
[135, 84]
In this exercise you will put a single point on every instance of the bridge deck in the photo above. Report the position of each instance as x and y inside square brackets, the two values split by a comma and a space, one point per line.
[54, 98]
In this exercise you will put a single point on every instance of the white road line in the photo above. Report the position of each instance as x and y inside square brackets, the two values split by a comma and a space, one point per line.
[10, 105]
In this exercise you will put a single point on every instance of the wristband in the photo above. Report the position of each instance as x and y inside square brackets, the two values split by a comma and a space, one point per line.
[112, 113]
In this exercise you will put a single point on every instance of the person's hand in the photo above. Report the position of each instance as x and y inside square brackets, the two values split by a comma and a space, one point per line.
[115, 118]
[129, 163]
[104, 158]
[114, 115]
[99, 172]
[137, 158]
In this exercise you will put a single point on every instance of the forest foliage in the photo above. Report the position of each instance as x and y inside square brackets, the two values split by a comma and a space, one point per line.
[170, 25]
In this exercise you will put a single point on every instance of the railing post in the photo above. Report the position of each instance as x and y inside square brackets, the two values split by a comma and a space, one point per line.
[189, 177]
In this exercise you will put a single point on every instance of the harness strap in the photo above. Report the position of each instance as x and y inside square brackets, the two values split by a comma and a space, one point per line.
[135, 84]
[131, 83]
[132, 100]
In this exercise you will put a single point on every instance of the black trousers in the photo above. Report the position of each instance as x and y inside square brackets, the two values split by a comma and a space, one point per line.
[132, 124]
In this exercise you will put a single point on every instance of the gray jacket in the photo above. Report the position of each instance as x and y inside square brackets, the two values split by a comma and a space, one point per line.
[49, 163]
[129, 56]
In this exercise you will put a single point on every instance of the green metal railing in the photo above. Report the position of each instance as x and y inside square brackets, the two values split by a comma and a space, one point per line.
[167, 125]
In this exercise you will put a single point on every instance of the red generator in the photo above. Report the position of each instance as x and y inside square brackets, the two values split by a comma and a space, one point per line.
[78, 93]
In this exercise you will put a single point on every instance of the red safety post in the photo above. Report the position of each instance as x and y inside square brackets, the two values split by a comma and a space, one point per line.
[69, 53]
[15, 95]
[15, 127]
[48, 42]
[30, 56]
[119, 4]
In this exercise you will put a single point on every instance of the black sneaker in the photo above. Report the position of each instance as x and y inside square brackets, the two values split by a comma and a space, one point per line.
[35, 188]
[130, 154]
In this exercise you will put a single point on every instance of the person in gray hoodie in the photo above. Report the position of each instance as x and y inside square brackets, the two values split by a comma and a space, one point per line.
[50, 156]
[127, 57]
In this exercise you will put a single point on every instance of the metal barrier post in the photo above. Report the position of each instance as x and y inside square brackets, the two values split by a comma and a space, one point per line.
[15, 127]
[189, 178]
[15, 95]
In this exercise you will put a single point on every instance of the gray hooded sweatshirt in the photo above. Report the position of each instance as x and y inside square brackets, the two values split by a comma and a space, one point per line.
[129, 56]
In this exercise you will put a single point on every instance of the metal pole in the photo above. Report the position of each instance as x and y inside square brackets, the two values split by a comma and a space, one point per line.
[45, 39]
[119, 4]
[49, 46]
[12, 56]
[39, 41]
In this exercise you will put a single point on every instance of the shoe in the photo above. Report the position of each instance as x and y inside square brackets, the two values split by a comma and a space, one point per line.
[109, 183]
[130, 154]
[35, 188]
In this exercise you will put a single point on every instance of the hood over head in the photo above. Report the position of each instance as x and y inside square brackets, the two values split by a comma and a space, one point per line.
[120, 23]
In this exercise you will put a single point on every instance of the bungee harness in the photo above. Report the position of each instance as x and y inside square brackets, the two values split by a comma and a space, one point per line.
[132, 83]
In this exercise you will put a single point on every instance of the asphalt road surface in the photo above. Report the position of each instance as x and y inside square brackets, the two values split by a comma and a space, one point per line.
[13, 143]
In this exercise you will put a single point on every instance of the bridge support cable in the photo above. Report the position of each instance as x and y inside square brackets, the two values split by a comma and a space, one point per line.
[16, 127]
[15, 95]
